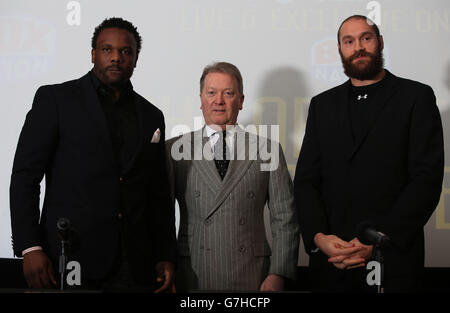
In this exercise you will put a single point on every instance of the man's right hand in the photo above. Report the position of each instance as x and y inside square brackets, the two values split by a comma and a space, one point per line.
[332, 245]
[38, 270]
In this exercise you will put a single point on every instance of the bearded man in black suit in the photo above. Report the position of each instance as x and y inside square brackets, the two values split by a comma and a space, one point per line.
[372, 154]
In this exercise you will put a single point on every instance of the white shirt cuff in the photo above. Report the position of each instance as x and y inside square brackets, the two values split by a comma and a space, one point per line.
[31, 249]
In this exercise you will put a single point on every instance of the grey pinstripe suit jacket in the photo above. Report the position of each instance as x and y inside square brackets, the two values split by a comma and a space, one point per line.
[222, 243]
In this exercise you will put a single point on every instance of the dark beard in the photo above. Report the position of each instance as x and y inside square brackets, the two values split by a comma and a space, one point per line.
[368, 72]
[102, 75]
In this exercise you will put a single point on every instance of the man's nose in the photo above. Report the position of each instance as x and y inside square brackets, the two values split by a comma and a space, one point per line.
[359, 46]
[116, 56]
[219, 98]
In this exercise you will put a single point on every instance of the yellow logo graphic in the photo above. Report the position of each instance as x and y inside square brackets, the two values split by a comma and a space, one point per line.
[440, 210]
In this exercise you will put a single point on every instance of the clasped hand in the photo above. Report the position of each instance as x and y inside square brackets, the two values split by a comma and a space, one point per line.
[343, 254]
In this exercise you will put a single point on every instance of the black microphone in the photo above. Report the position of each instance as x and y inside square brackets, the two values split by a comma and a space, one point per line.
[64, 228]
[368, 235]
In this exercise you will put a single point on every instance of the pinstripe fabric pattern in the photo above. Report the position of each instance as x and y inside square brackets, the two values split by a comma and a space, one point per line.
[221, 241]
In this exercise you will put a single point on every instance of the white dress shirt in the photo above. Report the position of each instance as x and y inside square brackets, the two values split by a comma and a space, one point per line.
[213, 136]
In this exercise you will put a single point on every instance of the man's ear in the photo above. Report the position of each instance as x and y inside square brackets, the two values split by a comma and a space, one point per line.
[93, 55]
[241, 102]
[381, 43]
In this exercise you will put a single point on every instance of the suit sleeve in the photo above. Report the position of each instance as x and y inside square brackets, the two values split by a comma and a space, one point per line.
[307, 182]
[32, 160]
[170, 172]
[421, 194]
[283, 220]
[164, 223]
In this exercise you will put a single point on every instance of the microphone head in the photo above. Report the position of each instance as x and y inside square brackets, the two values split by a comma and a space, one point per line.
[361, 229]
[63, 224]
[68, 234]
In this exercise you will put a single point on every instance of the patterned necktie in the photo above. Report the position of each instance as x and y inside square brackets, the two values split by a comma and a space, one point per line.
[221, 157]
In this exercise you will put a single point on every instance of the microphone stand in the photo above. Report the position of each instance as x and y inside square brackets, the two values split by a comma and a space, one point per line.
[380, 259]
[62, 262]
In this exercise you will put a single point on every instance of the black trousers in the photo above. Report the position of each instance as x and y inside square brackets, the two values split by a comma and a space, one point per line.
[120, 279]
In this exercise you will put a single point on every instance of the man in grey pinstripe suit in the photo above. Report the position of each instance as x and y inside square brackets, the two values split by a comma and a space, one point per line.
[221, 242]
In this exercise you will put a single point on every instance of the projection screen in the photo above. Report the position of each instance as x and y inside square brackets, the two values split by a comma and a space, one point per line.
[285, 49]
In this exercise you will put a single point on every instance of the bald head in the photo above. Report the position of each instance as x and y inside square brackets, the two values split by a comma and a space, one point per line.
[359, 17]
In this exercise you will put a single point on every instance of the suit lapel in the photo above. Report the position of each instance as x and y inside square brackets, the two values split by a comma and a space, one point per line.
[376, 107]
[93, 107]
[140, 118]
[242, 159]
[344, 117]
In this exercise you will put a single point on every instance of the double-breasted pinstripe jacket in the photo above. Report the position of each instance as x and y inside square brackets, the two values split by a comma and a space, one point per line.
[222, 242]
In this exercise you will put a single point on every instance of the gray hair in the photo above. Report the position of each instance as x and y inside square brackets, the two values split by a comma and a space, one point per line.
[225, 68]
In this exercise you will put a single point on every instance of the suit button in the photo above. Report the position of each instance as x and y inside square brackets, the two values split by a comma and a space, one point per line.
[242, 221]
[121, 179]
[242, 248]
[250, 194]
[119, 216]
[208, 222]
[197, 193]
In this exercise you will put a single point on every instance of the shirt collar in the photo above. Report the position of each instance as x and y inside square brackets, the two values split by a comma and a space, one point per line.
[103, 89]
[210, 131]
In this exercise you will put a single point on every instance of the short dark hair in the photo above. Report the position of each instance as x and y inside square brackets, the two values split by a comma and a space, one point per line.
[117, 22]
[224, 68]
[360, 17]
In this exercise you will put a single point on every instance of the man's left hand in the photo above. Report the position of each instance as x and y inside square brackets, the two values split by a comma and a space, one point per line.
[272, 282]
[357, 259]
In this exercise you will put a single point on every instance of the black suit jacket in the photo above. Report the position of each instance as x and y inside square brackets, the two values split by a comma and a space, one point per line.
[391, 175]
[65, 138]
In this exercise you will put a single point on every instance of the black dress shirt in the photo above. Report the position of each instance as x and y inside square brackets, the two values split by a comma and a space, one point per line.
[121, 118]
